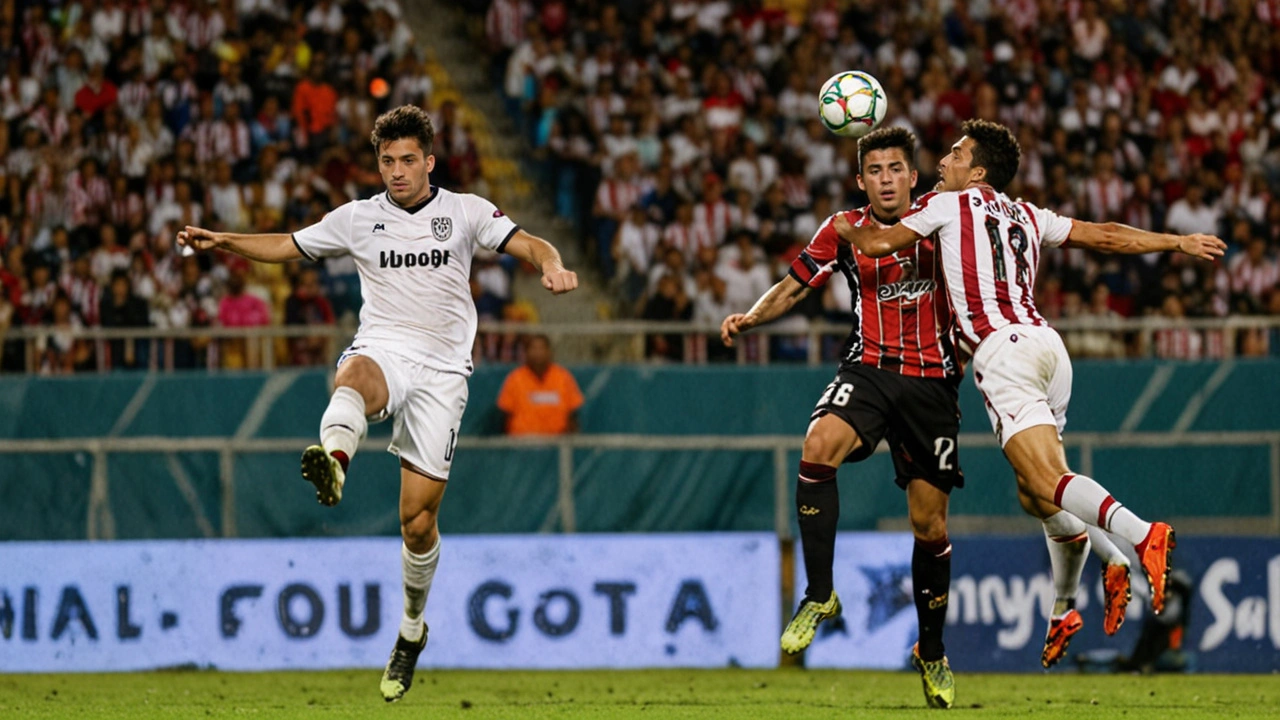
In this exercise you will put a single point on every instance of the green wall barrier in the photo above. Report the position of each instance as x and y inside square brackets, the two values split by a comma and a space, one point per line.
[180, 495]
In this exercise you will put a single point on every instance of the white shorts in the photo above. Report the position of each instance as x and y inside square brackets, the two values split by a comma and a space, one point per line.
[426, 406]
[1024, 374]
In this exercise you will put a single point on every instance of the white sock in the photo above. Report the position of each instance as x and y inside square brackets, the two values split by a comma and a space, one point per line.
[343, 425]
[1068, 542]
[1086, 499]
[419, 571]
[1105, 549]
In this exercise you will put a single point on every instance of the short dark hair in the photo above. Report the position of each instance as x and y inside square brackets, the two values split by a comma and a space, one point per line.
[406, 121]
[995, 149]
[885, 138]
[530, 338]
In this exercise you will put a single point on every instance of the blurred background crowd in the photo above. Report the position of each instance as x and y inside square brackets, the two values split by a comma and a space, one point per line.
[682, 138]
[123, 121]
[679, 138]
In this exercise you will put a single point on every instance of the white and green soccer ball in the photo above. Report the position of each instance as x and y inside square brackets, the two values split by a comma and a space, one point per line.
[852, 103]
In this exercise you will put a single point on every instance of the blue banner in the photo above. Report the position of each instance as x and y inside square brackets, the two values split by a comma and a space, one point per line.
[568, 601]
[1001, 594]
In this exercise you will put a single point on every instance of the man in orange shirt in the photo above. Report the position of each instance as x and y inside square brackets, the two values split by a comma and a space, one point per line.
[315, 102]
[540, 397]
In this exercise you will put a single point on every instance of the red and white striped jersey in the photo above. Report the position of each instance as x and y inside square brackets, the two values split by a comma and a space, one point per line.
[504, 22]
[716, 217]
[901, 319]
[1253, 279]
[990, 249]
[615, 197]
[688, 239]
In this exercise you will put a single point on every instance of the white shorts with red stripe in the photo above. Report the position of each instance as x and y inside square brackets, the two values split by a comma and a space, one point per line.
[1024, 374]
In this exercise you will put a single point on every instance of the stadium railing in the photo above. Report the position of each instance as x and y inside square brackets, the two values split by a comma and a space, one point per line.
[101, 524]
[1219, 338]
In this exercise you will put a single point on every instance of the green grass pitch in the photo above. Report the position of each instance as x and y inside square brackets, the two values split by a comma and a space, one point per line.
[772, 694]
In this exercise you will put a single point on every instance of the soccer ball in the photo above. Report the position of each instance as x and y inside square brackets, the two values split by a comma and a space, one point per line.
[851, 103]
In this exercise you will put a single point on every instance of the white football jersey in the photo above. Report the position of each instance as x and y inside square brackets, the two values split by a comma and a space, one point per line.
[990, 249]
[415, 270]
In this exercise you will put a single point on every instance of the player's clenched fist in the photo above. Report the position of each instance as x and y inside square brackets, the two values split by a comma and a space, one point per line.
[197, 238]
[559, 281]
[1205, 247]
[843, 226]
[732, 325]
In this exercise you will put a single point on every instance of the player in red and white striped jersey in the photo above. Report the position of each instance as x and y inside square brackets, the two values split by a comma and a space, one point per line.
[898, 381]
[990, 248]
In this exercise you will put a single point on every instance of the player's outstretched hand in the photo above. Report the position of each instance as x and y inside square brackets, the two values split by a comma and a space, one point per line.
[194, 238]
[731, 326]
[1205, 247]
[560, 281]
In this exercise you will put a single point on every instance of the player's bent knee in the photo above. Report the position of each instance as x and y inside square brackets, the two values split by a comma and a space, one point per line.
[930, 528]
[364, 376]
[1038, 488]
[419, 531]
[829, 441]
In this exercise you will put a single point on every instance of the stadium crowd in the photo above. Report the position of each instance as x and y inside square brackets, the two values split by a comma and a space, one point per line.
[124, 120]
[682, 137]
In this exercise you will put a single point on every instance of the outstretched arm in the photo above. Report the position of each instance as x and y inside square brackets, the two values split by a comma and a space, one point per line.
[544, 256]
[1118, 238]
[873, 240]
[262, 247]
[772, 305]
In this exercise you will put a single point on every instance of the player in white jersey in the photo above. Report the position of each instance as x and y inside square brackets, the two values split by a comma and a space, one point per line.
[990, 247]
[411, 355]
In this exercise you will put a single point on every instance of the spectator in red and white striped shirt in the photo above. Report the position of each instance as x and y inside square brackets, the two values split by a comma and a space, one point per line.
[713, 212]
[1253, 272]
[83, 291]
[686, 235]
[504, 26]
[203, 27]
[1104, 192]
[88, 194]
[1177, 343]
[618, 193]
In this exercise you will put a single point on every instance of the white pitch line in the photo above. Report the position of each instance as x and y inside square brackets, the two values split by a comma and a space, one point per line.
[1197, 401]
[188, 491]
[1156, 384]
[276, 385]
[131, 410]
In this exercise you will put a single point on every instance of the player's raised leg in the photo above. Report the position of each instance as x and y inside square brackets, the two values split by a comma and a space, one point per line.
[1067, 538]
[360, 389]
[1036, 455]
[420, 498]
[827, 443]
[931, 584]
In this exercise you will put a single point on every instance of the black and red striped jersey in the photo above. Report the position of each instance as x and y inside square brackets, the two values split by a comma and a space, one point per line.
[902, 322]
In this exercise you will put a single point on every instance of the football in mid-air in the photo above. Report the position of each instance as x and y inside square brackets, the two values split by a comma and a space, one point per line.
[851, 103]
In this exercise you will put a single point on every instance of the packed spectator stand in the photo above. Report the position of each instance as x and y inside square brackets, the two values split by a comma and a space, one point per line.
[682, 138]
[126, 120]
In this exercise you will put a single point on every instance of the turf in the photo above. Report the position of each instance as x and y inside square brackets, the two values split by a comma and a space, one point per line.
[772, 694]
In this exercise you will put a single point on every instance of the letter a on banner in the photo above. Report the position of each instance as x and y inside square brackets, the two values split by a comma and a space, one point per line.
[691, 601]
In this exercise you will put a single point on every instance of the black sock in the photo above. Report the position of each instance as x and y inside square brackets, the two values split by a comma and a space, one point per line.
[931, 580]
[818, 509]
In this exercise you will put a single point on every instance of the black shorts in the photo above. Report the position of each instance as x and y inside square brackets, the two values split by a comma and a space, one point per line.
[918, 417]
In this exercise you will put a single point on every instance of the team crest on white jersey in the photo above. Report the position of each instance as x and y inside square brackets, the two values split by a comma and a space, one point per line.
[442, 228]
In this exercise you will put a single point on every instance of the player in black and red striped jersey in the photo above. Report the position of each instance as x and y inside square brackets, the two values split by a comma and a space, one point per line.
[897, 381]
